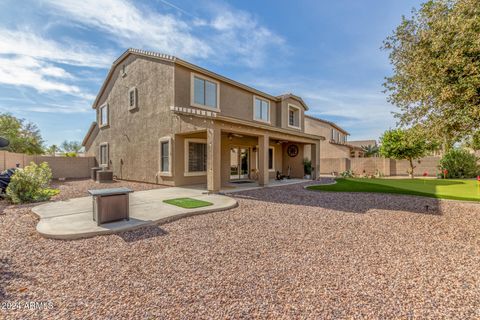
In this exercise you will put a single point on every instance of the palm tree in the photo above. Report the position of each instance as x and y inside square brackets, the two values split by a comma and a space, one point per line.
[71, 148]
[370, 150]
[52, 150]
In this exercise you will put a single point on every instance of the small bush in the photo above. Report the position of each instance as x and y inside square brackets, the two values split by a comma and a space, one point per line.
[70, 154]
[31, 184]
[347, 174]
[459, 163]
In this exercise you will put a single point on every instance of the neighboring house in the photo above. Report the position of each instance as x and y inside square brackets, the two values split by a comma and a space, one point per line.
[336, 144]
[358, 145]
[163, 120]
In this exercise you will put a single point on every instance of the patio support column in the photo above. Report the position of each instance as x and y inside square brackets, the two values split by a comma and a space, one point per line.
[263, 143]
[213, 159]
[315, 156]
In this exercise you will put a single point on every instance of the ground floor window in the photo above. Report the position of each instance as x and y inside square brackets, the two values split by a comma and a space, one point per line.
[165, 145]
[164, 157]
[103, 155]
[195, 156]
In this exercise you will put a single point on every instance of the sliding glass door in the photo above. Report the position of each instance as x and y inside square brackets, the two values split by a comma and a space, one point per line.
[239, 163]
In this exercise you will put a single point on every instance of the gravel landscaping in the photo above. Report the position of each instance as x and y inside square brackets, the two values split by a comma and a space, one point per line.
[284, 252]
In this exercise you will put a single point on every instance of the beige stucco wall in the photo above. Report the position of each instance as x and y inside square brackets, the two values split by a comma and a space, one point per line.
[133, 135]
[327, 149]
[284, 114]
[234, 102]
[91, 137]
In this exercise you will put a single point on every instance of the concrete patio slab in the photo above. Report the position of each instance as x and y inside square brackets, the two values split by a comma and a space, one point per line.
[73, 219]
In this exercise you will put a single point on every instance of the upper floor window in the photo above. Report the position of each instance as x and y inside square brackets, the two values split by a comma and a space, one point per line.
[293, 116]
[132, 98]
[104, 115]
[205, 92]
[261, 110]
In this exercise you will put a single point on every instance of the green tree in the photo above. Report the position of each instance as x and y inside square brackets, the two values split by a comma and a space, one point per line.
[24, 136]
[71, 148]
[52, 150]
[404, 144]
[459, 163]
[435, 56]
[473, 141]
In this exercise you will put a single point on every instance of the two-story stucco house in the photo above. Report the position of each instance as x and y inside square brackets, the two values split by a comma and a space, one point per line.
[336, 144]
[163, 120]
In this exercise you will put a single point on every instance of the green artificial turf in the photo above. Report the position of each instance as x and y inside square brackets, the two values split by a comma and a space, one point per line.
[435, 188]
[188, 203]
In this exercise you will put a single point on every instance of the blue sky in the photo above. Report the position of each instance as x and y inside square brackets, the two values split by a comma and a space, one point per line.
[54, 55]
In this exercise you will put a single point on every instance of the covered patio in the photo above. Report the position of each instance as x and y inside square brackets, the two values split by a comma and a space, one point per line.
[239, 156]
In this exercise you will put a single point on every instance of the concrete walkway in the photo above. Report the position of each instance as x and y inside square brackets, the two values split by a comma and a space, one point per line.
[72, 219]
[253, 185]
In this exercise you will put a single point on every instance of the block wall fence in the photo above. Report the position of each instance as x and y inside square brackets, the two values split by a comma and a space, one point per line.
[62, 167]
[79, 167]
[387, 167]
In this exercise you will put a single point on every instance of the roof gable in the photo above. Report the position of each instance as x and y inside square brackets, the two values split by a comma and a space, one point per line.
[143, 53]
[327, 122]
[294, 97]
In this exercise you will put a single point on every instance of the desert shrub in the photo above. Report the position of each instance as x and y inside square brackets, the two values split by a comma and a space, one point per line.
[31, 184]
[70, 154]
[347, 174]
[459, 163]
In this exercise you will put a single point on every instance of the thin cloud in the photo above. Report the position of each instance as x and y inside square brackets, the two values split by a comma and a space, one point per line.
[45, 107]
[228, 35]
[28, 60]
[364, 112]
[27, 43]
[129, 26]
[244, 35]
[30, 72]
